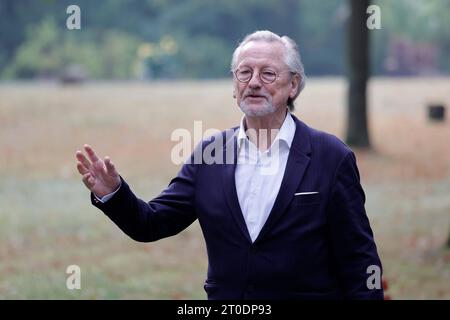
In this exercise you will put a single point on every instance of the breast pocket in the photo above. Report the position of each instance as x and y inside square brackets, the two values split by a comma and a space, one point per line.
[306, 198]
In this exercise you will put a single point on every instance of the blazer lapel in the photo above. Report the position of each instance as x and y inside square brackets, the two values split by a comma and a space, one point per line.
[229, 185]
[297, 163]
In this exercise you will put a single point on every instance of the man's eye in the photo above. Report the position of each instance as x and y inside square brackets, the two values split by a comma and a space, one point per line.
[269, 74]
[244, 72]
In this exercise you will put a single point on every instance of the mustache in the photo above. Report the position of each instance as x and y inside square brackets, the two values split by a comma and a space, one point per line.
[255, 93]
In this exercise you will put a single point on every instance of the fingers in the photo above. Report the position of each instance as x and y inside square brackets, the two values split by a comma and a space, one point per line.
[82, 159]
[96, 165]
[110, 168]
[82, 169]
[91, 153]
[88, 180]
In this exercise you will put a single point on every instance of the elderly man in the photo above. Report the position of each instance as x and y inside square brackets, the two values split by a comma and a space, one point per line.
[283, 217]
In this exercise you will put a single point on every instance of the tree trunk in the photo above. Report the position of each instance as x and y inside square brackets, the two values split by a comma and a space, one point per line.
[358, 65]
[448, 241]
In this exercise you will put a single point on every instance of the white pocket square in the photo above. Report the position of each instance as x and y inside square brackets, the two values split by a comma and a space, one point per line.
[305, 193]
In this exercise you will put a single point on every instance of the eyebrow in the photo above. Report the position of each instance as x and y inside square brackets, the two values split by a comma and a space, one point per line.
[263, 67]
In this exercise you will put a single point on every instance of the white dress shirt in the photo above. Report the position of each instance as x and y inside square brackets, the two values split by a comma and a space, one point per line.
[259, 174]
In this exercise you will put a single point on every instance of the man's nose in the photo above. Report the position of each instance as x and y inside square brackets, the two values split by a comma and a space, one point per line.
[255, 81]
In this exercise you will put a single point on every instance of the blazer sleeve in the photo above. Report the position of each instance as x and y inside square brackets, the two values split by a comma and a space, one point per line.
[166, 215]
[351, 236]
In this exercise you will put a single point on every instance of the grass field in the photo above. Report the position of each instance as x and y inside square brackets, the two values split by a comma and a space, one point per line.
[47, 222]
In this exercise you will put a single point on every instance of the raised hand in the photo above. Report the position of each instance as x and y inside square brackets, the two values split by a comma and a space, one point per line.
[99, 176]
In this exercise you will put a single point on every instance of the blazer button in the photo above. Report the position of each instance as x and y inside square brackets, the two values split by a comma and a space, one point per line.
[250, 288]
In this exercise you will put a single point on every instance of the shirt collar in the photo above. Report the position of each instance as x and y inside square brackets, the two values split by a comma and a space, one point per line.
[286, 133]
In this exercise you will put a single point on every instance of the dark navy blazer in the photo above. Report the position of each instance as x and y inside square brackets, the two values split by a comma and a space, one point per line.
[314, 246]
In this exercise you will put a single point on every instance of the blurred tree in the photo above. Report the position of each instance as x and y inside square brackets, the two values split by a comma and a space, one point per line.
[47, 50]
[322, 35]
[358, 62]
[448, 241]
[37, 54]
[15, 17]
[418, 22]
[209, 31]
[317, 26]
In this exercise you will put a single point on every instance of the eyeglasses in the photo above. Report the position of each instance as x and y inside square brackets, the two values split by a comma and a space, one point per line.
[266, 75]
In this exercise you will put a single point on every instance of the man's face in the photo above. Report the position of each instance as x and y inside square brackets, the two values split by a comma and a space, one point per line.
[256, 98]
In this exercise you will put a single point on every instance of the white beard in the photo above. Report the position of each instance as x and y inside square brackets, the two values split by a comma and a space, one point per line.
[265, 109]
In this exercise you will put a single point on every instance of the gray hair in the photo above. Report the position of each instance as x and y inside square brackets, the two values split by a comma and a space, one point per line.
[292, 56]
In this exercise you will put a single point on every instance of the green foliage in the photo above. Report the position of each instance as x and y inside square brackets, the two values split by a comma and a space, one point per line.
[39, 54]
[117, 52]
[48, 49]
[423, 21]
[204, 56]
[35, 42]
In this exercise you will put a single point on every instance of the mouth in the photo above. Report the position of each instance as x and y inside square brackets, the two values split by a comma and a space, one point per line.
[255, 96]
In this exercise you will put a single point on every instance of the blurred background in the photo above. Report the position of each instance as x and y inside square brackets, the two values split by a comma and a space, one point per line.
[137, 70]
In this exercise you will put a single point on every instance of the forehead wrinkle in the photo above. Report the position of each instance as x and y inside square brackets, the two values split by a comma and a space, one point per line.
[271, 56]
[261, 63]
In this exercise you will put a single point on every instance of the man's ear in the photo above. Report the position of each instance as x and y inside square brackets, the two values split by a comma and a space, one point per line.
[295, 84]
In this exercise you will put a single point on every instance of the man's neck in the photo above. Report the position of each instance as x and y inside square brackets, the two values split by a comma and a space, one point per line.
[263, 130]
